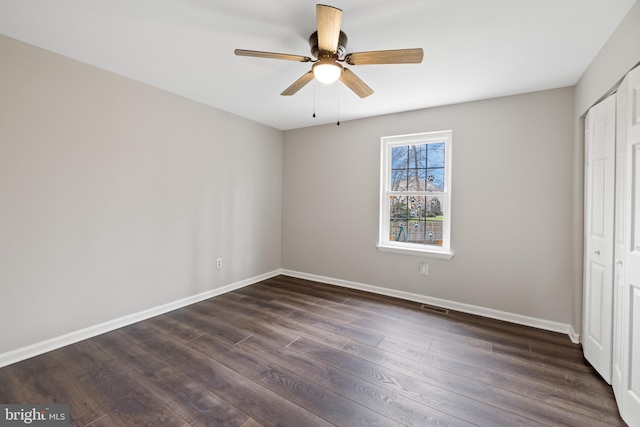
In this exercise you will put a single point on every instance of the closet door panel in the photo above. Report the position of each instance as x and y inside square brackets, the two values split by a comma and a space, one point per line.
[599, 235]
[630, 313]
[620, 240]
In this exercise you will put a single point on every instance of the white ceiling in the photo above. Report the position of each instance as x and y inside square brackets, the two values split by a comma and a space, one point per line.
[474, 49]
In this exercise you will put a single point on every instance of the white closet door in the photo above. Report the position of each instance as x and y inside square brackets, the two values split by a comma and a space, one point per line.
[630, 300]
[620, 240]
[600, 142]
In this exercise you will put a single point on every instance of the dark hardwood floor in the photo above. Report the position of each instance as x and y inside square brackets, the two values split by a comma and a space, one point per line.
[299, 353]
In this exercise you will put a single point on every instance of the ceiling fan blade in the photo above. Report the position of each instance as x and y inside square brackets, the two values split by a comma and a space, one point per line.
[399, 56]
[271, 55]
[298, 84]
[354, 83]
[329, 20]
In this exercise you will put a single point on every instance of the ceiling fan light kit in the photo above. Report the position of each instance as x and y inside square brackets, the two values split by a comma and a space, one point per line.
[327, 72]
[328, 46]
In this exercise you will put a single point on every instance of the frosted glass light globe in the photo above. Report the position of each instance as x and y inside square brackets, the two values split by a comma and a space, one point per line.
[327, 72]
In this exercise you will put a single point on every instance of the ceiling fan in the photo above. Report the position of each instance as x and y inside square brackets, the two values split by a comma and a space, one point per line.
[328, 48]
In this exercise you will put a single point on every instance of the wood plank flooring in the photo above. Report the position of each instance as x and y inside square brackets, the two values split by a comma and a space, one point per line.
[292, 352]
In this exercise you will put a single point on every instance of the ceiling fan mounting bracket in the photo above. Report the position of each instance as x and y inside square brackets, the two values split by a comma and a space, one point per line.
[340, 51]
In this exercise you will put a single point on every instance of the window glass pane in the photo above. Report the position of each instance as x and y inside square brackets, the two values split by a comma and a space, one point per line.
[399, 209]
[399, 214]
[416, 156]
[415, 180]
[399, 172]
[399, 180]
[435, 179]
[435, 154]
[417, 167]
[434, 206]
[398, 231]
[416, 220]
[399, 157]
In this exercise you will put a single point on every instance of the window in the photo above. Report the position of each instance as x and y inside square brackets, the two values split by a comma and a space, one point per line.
[415, 194]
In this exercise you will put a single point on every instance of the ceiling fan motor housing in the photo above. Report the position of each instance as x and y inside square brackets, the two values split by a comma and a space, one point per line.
[342, 45]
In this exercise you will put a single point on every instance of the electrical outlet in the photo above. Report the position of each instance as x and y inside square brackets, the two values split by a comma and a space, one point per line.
[424, 269]
[219, 263]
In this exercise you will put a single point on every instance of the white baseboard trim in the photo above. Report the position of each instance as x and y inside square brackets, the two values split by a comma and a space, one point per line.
[519, 319]
[575, 337]
[38, 348]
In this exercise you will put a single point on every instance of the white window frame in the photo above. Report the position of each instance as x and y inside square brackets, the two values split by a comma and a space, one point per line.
[384, 243]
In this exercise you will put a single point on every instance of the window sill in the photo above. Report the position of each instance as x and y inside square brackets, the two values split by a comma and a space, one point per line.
[429, 253]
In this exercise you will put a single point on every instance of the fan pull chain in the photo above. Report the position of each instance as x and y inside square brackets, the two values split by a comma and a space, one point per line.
[314, 100]
[338, 124]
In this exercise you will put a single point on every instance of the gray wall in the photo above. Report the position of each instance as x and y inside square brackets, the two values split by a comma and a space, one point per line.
[116, 197]
[512, 204]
